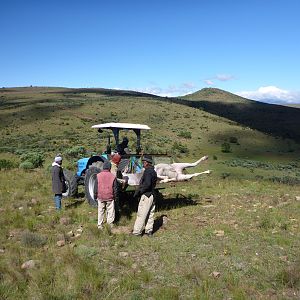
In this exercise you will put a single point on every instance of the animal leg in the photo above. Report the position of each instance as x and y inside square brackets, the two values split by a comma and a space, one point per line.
[179, 167]
[182, 177]
[168, 180]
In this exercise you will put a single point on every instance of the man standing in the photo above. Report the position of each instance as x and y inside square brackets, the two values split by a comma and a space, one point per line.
[107, 193]
[145, 214]
[58, 181]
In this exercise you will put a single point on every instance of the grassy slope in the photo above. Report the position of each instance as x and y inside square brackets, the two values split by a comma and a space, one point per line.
[235, 222]
[272, 119]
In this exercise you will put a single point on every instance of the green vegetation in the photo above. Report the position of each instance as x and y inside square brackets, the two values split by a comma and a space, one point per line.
[276, 120]
[32, 160]
[231, 235]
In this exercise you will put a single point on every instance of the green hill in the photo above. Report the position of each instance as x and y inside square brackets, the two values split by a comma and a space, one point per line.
[277, 120]
[216, 95]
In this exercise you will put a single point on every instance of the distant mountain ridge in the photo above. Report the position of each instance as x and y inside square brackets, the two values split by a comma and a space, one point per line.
[277, 120]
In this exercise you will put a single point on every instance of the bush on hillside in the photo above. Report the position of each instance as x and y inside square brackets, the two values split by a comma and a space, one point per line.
[75, 152]
[185, 134]
[32, 160]
[233, 140]
[180, 148]
[26, 165]
[6, 164]
[285, 180]
[225, 147]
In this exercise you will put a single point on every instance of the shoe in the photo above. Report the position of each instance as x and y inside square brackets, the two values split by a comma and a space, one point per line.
[149, 234]
[100, 227]
[136, 234]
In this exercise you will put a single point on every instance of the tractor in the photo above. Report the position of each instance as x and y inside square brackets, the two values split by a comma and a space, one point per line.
[89, 167]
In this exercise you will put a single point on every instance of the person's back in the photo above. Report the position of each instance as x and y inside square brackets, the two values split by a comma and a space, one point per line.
[122, 148]
[105, 185]
[106, 191]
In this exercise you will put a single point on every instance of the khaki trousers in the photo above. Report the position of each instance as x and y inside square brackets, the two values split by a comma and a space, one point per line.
[110, 212]
[145, 215]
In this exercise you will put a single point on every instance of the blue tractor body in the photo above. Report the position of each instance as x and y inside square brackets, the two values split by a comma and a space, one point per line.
[81, 165]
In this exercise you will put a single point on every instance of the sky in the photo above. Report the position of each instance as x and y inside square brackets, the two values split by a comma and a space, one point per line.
[163, 47]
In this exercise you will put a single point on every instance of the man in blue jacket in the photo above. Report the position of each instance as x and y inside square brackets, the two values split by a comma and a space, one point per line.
[145, 213]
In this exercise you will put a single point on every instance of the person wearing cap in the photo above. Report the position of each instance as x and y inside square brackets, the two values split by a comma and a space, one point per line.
[58, 181]
[146, 208]
[115, 160]
[106, 192]
[122, 148]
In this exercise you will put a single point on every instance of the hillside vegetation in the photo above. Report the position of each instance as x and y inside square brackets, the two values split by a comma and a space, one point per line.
[231, 235]
[277, 120]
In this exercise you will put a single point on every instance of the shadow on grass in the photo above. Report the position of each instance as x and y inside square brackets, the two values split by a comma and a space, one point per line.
[179, 200]
[129, 204]
[158, 223]
[75, 202]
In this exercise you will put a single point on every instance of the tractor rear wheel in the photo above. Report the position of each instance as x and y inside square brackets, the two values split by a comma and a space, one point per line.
[71, 183]
[90, 181]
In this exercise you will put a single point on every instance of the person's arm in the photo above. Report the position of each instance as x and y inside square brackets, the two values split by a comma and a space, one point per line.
[116, 189]
[62, 175]
[96, 188]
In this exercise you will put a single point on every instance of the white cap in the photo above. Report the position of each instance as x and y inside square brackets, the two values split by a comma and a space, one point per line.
[58, 158]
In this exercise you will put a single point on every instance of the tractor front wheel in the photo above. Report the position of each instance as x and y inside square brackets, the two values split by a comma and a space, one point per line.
[71, 183]
[89, 184]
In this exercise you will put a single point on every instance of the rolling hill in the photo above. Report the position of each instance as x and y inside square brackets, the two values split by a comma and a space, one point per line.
[276, 120]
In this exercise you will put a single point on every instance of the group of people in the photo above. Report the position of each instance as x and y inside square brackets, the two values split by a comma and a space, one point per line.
[107, 193]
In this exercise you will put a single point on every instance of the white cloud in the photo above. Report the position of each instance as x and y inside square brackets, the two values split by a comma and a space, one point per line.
[224, 77]
[272, 94]
[218, 77]
[209, 82]
[170, 91]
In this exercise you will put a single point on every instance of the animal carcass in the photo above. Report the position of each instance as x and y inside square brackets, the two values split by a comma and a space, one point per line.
[174, 172]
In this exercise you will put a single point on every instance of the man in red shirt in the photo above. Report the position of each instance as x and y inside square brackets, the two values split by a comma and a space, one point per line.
[107, 193]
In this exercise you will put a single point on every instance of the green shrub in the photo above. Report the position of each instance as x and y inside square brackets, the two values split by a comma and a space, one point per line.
[225, 147]
[75, 152]
[225, 175]
[180, 148]
[7, 164]
[185, 134]
[35, 158]
[233, 140]
[27, 165]
[285, 180]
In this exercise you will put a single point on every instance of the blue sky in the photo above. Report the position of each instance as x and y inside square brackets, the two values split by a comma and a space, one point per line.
[172, 48]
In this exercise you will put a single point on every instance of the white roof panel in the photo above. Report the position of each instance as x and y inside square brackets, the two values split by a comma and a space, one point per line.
[122, 126]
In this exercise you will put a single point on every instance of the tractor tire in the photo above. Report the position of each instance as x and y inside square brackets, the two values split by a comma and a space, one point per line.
[89, 185]
[71, 183]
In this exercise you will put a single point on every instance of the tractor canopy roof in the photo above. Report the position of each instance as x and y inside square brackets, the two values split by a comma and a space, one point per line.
[116, 127]
[121, 126]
